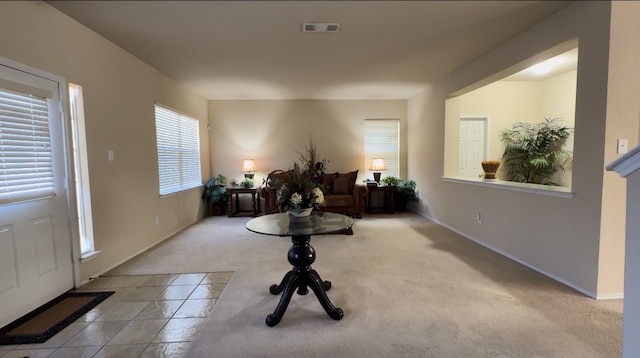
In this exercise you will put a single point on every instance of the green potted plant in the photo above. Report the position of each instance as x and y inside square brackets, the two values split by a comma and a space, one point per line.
[246, 183]
[215, 195]
[533, 152]
[405, 191]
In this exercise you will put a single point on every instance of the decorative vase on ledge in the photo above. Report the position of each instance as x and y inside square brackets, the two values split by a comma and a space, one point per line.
[298, 216]
[490, 168]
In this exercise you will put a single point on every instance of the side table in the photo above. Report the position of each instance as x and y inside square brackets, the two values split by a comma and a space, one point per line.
[387, 191]
[234, 210]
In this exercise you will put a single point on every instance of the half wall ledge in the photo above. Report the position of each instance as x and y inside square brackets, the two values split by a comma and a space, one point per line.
[556, 191]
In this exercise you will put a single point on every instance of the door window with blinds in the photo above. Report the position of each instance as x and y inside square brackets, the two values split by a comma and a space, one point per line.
[382, 140]
[178, 144]
[26, 167]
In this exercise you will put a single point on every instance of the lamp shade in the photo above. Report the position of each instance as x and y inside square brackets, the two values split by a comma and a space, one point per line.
[248, 166]
[377, 164]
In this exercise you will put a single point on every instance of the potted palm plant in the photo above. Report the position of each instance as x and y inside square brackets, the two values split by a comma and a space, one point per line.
[534, 153]
[215, 195]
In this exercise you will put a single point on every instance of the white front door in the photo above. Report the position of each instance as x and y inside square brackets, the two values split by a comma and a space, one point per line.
[35, 245]
[472, 144]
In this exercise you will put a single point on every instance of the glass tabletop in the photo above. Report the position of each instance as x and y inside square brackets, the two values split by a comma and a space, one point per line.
[318, 223]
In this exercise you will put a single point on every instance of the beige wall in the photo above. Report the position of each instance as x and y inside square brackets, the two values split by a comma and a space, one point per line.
[623, 116]
[505, 102]
[271, 132]
[557, 236]
[119, 94]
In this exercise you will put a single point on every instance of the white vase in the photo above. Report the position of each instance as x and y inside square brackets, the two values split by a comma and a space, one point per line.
[301, 213]
[299, 216]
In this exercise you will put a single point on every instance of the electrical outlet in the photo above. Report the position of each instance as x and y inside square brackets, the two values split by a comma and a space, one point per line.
[156, 220]
[110, 156]
[479, 218]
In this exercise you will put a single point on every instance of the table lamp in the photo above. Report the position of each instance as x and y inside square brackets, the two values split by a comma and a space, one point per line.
[377, 164]
[248, 166]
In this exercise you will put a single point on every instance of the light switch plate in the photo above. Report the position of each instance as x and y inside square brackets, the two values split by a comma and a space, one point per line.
[623, 146]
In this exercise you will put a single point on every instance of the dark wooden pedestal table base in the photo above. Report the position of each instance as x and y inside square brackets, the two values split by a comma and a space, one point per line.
[301, 256]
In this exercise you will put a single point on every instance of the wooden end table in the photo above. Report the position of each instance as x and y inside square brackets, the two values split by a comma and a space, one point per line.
[234, 210]
[388, 206]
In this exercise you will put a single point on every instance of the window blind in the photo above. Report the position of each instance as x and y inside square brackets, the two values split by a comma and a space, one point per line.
[26, 168]
[382, 140]
[178, 143]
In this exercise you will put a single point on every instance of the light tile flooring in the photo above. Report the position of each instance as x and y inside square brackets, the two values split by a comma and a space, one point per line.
[147, 316]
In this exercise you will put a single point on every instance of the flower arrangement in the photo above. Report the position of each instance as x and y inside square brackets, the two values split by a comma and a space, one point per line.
[300, 193]
[313, 165]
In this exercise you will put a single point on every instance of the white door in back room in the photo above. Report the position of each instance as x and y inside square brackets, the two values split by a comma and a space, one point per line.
[472, 146]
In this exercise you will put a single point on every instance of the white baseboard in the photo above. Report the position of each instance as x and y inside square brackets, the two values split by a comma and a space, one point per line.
[610, 296]
[84, 282]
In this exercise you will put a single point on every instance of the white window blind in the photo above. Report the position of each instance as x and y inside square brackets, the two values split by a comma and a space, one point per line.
[26, 170]
[178, 145]
[382, 140]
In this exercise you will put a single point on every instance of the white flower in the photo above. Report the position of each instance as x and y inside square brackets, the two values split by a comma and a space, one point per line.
[319, 195]
[296, 199]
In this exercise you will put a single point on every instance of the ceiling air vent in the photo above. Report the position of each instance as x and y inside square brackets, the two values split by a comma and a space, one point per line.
[333, 27]
[320, 27]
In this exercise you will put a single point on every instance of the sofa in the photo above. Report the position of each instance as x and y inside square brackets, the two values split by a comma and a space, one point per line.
[341, 193]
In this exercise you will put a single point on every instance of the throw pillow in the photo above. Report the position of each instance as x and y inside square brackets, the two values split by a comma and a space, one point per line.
[351, 179]
[327, 183]
[341, 185]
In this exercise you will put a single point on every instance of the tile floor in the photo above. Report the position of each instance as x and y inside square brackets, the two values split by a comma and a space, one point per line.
[147, 316]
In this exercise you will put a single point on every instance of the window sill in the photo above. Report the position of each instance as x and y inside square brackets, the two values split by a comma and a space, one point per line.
[556, 191]
[87, 256]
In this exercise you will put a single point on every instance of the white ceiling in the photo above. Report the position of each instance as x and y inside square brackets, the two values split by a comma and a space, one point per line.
[257, 50]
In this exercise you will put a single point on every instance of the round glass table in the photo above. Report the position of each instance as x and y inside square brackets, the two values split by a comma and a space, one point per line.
[301, 255]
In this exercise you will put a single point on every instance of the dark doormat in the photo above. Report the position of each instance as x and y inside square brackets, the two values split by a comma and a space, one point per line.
[45, 321]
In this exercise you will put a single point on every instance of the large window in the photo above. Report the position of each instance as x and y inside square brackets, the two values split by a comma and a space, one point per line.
[382, 140]
[178, 151]
[26, 170]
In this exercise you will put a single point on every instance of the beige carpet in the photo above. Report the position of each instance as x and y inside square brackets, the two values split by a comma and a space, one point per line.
[408, 288]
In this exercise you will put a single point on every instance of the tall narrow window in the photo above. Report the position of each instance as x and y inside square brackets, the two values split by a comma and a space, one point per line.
[81, 172]
[178, 151]
[382, 140]
[26, 170]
